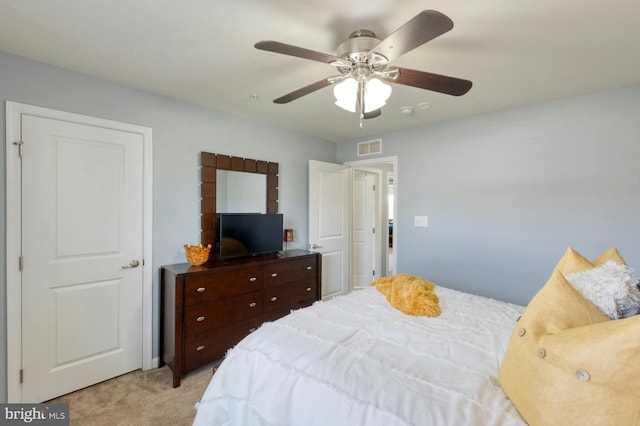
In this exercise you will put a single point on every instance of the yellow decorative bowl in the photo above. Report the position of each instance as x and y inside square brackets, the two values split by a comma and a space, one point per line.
[197, 255]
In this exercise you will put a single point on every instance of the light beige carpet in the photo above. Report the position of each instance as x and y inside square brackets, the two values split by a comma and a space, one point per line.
[138, 398]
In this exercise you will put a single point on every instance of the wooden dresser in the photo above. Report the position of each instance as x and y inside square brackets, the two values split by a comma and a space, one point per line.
[206, 310]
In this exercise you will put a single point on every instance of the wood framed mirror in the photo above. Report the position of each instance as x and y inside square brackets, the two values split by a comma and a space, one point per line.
[210, 164]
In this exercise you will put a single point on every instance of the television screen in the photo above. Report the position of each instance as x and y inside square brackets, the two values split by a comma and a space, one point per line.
[249, 234]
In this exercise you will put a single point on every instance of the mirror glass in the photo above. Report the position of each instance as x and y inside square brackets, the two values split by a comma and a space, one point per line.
[240, 192]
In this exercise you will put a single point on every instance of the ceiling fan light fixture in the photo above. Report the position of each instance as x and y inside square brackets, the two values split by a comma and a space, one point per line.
[376, 94]
[346, 93]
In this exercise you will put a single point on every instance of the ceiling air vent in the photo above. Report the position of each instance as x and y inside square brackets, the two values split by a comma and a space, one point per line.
[370, 147]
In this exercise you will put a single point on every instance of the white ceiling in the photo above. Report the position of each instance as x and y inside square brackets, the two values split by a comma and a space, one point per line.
[516, 52]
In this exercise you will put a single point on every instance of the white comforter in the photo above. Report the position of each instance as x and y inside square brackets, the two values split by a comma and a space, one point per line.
[355, 360]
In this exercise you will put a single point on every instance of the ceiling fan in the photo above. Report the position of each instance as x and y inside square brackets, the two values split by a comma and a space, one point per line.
[363, 65]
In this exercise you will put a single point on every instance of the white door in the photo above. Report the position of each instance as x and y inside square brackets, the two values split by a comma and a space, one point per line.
[363, 222]
[82, 235]
[329, 228]
[386, 207]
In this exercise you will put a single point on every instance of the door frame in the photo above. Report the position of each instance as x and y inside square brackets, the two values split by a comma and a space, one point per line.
[370, 162]
[14, 111]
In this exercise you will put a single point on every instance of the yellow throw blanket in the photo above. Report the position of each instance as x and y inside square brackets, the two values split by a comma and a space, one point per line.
[409, 294]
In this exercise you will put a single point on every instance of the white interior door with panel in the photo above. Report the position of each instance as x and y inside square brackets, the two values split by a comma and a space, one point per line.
[385, 208]
[82, 309]
[364, 219]
[329, 224]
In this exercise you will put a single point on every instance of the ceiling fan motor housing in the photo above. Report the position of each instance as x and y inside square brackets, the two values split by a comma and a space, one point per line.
[357, 49]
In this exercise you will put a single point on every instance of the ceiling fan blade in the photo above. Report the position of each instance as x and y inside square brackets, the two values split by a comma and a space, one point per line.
[320, 84]
[434, 82]
[422, 28]
[372, 114]
[300, 52]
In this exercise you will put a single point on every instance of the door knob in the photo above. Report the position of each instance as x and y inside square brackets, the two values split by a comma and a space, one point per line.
[315, 246]
[132, 264]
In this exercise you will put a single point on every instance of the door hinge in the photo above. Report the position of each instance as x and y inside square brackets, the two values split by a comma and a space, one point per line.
[373, 273]
[20, 148]
[20, 263]
[373, 230]
[21, 375]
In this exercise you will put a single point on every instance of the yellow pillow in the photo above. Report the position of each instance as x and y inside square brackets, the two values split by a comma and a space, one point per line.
[409, 294]
[611, 254]
[572, 261]
[567, 363]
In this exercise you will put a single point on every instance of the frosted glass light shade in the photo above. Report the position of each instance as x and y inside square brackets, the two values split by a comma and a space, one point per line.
[346, 92]
[376, 94]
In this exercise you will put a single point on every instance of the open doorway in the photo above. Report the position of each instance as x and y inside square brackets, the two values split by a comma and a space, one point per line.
[386, 251]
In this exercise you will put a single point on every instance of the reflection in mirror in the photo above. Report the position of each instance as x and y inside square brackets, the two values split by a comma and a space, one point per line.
[240, 192]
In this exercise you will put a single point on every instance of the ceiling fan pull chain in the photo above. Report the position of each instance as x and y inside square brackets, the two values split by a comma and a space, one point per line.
[361, 100]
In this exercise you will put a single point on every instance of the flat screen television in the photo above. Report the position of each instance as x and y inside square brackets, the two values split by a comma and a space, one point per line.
[249, 234]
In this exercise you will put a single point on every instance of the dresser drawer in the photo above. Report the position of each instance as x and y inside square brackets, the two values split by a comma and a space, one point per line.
[280, 312]
[200, 288]
[289, 294]
[205, 316]
[289, 271]
[211, 345]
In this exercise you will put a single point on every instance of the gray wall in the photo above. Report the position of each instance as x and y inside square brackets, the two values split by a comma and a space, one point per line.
[180, 132]
[507, 192]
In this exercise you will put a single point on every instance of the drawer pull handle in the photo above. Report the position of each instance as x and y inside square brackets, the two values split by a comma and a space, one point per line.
[308, 288]
[200, 319]
[200, 289]
[308, 268]
[275, 274]
[251, 330]
[199, 348]
[252, 304]
[274, 298]
[253, 279]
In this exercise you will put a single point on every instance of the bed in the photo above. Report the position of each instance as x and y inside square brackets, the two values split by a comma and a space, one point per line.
[355, 360]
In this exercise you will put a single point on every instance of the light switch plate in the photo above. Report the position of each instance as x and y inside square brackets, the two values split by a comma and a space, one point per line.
[421, 221]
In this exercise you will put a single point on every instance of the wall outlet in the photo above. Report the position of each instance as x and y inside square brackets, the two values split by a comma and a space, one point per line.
[422, 221]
